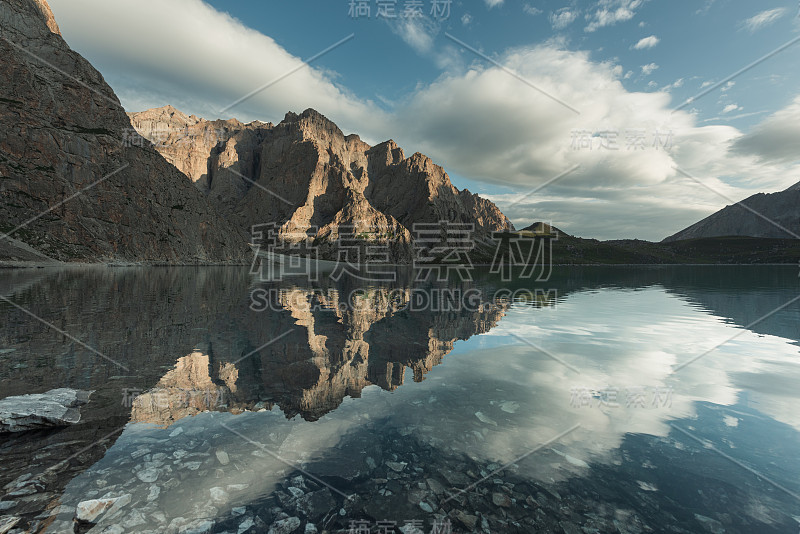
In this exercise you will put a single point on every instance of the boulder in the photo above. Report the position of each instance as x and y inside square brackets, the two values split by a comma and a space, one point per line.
[57, 407]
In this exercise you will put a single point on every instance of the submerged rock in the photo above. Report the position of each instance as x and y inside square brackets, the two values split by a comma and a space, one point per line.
[57, 407]
[8, 522]
[501, 499]
[285, 526]
[90, 511]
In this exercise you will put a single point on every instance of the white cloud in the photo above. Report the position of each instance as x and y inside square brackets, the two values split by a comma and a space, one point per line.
[705, 9]
[648, 69]
[730, 108]
[647, 42]
[204, 64]
[493, 3]
[562, 18]
[531, 10]
[418, 33]
[610, 12]
[763, 19]
[517, 137]
[674, 85]
[478, 122]
[776, 139]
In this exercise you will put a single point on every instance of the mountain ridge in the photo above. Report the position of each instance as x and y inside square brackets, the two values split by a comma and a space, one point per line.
[304, 174]
[765, 215]
[71, 187]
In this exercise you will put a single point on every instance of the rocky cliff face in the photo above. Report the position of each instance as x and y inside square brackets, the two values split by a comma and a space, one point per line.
[307, 176]
[76, 181]
[782, 208]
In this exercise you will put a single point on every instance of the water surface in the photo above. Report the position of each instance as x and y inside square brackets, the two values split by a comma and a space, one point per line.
[607, 399]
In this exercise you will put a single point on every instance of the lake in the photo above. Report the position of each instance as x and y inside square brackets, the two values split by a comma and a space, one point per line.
[606, 399]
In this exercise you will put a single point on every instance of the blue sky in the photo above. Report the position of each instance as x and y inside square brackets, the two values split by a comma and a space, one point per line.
[697, 42]
[623, 64]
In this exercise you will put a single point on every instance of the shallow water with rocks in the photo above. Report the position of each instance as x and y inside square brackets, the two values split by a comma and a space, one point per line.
[606, 399]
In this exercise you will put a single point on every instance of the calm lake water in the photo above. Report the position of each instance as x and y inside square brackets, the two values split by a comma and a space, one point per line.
[607, 399]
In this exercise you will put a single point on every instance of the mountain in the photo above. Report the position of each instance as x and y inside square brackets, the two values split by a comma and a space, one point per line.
[782, 208]
[76, 181]
[570, 250]
[307, 176]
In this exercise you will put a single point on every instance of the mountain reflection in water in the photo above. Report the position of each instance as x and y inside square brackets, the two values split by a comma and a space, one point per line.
[212, 388]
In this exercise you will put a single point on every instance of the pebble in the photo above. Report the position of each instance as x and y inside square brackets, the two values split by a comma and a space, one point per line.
[218, 494]
[397, 467]
[155, 491]
[285, 526]
[148, 475]
[223, 458]
[484, 419]
[501, 499]
[510, 407]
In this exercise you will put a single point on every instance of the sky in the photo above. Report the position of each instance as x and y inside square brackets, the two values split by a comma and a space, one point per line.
[609, 119]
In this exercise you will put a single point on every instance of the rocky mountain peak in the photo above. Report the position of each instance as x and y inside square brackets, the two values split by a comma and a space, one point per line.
[795, 187]
[47, 13]
[385, 154]
[309, 175]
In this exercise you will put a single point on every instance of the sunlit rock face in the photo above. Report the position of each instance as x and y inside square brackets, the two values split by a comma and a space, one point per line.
[307, 176]
[66, 141]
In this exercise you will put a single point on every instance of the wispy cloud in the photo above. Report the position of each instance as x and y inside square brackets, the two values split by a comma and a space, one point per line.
[763, 19]
[610, 12]
[674, 85]
[648, 69]
[531, 10]
[647, 42]
[418, 33]
[705, 9]
[562, 18]
[730, 108]
[494, 3]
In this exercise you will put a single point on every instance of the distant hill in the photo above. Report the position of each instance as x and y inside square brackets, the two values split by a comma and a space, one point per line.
[571, 250]
[782, 208]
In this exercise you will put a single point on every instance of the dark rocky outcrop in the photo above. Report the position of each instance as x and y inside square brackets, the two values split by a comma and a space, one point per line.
[57, 407]
[76, 181]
